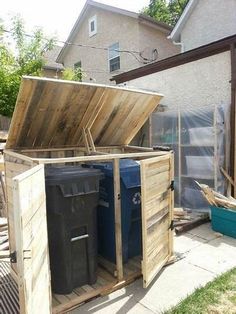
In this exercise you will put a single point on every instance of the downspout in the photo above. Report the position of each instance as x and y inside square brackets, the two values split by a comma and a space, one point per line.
[179, 44]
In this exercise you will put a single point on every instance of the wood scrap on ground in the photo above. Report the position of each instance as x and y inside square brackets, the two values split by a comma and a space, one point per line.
[4, 242]
[181, 217]
[204, 218]
[216, 199]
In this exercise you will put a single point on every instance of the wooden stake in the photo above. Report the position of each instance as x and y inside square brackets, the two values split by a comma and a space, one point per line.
[86, 141]
[91, 142]
[228, 177]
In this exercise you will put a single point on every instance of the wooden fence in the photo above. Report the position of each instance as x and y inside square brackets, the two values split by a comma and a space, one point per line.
[4, 123]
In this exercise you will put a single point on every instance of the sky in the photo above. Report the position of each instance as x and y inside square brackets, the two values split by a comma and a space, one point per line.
[54, 16]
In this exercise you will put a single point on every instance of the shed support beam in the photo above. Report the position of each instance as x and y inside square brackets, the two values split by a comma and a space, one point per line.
[117, 203]
[232, 115]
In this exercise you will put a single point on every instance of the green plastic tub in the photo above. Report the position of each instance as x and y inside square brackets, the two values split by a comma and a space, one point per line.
[224, 221]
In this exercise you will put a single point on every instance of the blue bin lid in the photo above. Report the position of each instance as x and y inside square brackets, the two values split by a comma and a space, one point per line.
[129, 171]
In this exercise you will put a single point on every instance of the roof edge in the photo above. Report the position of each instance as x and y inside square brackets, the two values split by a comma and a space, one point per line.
[175, 34]
[201, 52]
[161, 25]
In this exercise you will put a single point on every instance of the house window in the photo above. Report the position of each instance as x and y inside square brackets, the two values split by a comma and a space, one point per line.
[114, 57]
[93, 26]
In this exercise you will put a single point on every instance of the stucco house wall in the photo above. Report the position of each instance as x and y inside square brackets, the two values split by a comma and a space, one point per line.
[111, 28]
[94, 61]
[210, 20]
[191, 85]
[150, 38]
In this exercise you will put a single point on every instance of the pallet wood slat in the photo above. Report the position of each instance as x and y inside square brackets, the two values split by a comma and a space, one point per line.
[53, 102]
[155, 226]
[36, 293]
[117, 205]
[216, 199]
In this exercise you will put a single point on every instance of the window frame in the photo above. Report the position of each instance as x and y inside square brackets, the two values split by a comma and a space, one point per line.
[92, 19]
[114, 57]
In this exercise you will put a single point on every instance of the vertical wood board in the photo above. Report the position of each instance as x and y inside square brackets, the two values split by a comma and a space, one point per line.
[29, 203]
[156, 212]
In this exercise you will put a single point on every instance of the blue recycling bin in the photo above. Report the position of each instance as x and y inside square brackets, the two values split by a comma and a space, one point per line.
[130, 210]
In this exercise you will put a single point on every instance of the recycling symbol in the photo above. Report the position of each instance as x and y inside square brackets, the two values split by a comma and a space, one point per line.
[136, 198]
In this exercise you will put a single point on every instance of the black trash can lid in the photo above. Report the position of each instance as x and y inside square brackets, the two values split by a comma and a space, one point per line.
[67, 173]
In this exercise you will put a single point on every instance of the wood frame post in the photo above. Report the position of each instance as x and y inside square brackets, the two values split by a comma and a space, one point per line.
[232, 115]
[171, 214]
[117, 203]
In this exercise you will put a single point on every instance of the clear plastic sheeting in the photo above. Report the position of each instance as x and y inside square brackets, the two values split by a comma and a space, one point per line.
[200, 140]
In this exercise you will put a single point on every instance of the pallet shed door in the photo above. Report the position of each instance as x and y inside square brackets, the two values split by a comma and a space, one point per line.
[32, 241]
[157, 211]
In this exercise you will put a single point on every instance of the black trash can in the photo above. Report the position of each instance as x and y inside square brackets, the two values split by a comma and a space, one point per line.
[72, 194]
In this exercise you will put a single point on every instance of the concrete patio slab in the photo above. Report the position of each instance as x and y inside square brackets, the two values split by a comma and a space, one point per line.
[216, 256]
[187, 242]
[203, 254]
[205, 232]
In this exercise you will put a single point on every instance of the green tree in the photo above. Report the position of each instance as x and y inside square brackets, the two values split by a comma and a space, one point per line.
[72, 74]
[26, 58]
[166, 11]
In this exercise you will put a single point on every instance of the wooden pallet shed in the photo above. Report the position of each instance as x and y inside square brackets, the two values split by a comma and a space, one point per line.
[58, 122]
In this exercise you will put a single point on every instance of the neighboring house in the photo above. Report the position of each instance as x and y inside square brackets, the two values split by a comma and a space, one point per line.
[51, 68]
[204, 21]
[124, 40]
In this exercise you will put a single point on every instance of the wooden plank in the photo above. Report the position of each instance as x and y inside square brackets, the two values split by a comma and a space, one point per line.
[156, 216]
[62, 116]
[90, 138]
[108, 109]
[171, 213]
[4, 254]
[31, 241]
[113, 114]
[53, 113]
[117, 208]
[228, 177]
[135, 121]
[107, 288]
[71, 148]
[192, 224]
[13, 169]
[97, 158]
[86, 141]
[93, 109]
[23, 101]
[10, 153]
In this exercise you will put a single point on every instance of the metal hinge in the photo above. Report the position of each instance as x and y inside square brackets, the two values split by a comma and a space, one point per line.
[172, 185]
[171, 227]
[13, 257]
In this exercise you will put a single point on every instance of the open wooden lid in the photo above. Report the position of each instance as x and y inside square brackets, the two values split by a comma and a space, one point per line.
[52, 113]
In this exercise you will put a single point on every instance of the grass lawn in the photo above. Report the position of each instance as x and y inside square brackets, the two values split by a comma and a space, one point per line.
[217, 297]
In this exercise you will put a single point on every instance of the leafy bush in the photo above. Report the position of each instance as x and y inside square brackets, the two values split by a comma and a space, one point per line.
[26, 58]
